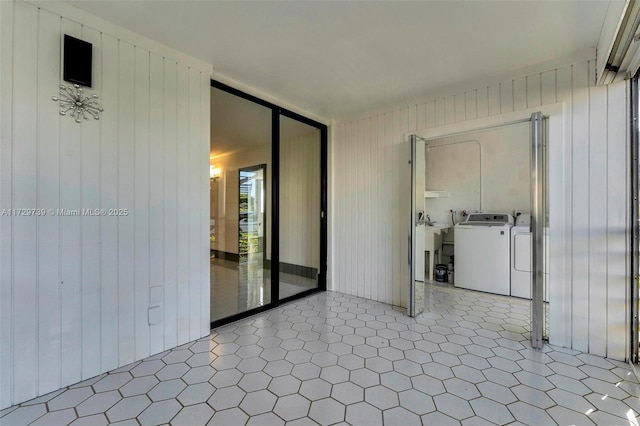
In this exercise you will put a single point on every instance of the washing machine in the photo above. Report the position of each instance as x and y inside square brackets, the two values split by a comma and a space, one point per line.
[521, 258]
[482, 251]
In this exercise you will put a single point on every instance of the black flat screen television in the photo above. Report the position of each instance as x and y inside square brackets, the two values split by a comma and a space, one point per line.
[77, 61]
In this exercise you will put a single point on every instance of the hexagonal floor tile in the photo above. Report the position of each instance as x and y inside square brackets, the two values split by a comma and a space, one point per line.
[198, 414]
[98, 403]
[258, 402]
[254, 381]
[400, 416]
[128, 408]
[315, 389]
[327, 411]
[347, 393]
[292, 407]
[159, 412]
[416, 402]
[363, 414]
[196, 394]
[228, 397]
[381, 397]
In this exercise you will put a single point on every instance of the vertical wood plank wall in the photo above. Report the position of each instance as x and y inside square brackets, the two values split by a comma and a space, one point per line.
[370, 194]
[75, 291]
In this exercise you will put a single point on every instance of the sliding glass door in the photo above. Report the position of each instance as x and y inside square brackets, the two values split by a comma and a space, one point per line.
[268, 225]
[300, 202]
[240, 158]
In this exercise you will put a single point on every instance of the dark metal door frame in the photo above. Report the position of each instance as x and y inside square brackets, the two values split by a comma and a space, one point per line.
[276, 112]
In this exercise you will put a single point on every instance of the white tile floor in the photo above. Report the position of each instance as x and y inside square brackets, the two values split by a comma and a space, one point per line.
[331, 358]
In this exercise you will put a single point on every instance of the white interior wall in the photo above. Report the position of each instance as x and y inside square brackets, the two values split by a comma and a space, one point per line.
[485, 171]
[78, 294]
[370, 153]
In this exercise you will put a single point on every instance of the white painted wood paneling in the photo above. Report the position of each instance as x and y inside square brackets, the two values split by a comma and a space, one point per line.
[49, 305]
[156, 194]
[520, 95]
[196, 209]
[24, 194]
[182, 188]
[90, 225]
[109, 294]
[140, 206]
[534, 90]
[70, 239]
[126, 200]
[6, 221]
[548, 87]
[170, 204]
[205, 251]
[618, 197]
[597, 217]
[75, 289]
[595, 169]
[580, 207]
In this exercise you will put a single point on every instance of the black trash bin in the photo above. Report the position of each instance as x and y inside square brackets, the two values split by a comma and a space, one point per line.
[441, 273]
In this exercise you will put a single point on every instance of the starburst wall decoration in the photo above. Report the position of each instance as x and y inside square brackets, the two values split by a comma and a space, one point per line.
[73, 101]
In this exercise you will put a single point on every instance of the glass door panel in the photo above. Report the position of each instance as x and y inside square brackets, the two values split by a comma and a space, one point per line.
[420, 271]
[299, 207]
[539, 233]
[240, 163]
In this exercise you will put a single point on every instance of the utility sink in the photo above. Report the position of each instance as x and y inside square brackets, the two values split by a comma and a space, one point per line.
[437, 228]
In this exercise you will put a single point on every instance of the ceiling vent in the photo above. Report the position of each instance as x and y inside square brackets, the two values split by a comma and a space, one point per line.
[623, 58]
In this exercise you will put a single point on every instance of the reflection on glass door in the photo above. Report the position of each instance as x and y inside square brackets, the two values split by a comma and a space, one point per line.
[299, 207]
[240, 160]
[251, 219]
[539, 233]
[251, 215]
[417, 265]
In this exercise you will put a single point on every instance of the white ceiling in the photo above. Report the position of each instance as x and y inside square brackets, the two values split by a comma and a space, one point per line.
[335, 58]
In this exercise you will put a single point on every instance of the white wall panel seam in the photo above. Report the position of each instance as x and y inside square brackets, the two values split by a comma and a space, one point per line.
[161, 205]
[37, 258]
[135, 137]
[7, 14]
[80, 245]
[571, 203]
[101, 221]
[607, 282]
[589, 213]
[117, 203]
[149, 213]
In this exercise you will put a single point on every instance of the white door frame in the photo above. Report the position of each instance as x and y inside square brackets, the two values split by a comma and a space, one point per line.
[559, 202]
